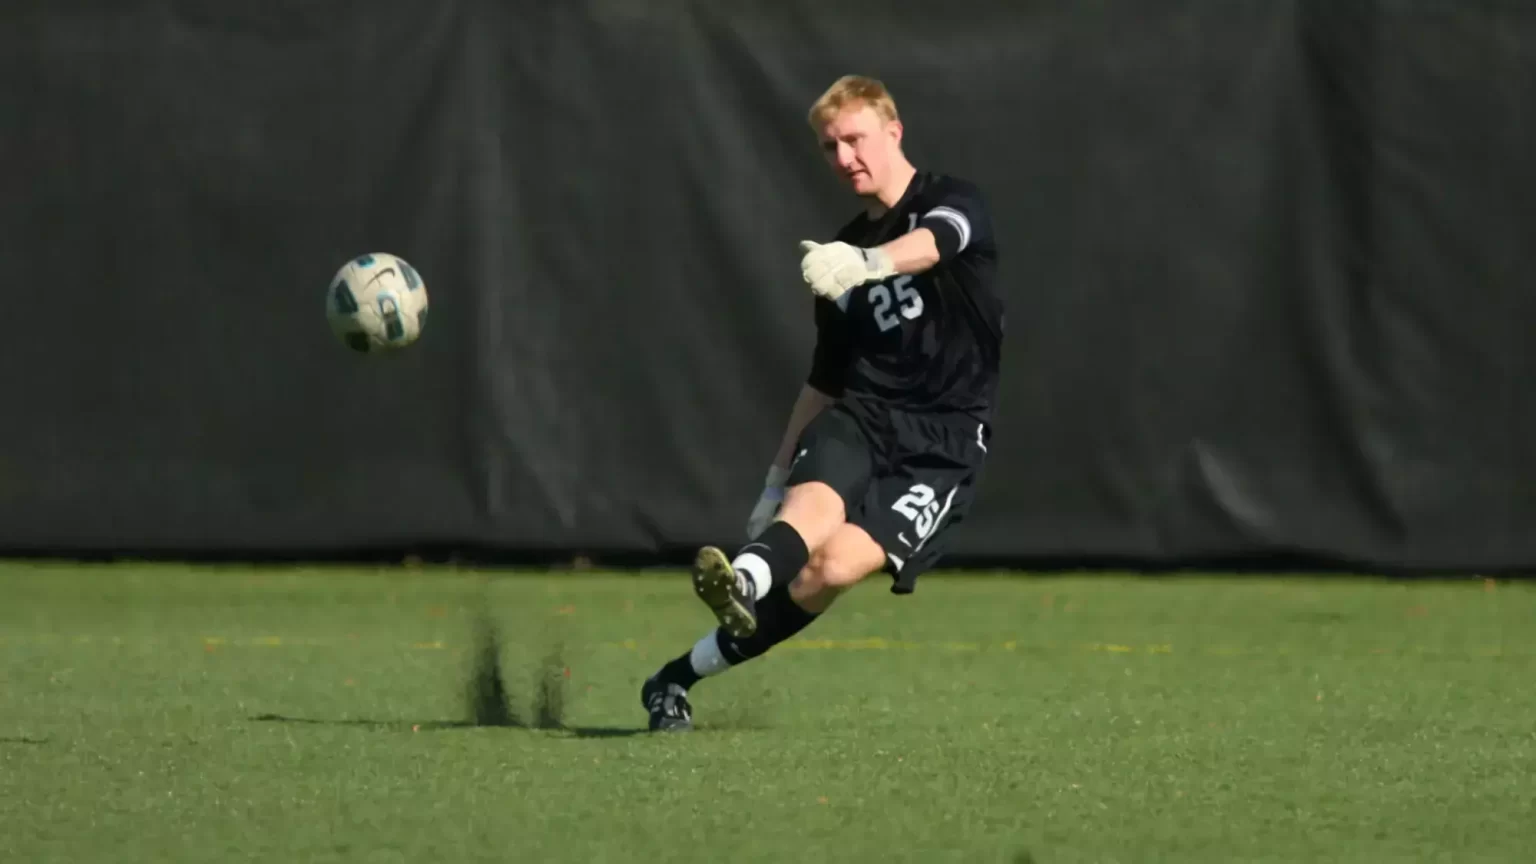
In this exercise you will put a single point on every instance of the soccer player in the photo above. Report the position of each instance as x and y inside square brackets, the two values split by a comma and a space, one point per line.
[887, 438]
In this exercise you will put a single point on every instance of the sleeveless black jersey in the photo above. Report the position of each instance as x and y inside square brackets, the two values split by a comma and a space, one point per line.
[926, 343]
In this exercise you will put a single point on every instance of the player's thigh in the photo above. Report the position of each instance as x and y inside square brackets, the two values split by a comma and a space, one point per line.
[829, 477]
[846, 557]
[815, 509]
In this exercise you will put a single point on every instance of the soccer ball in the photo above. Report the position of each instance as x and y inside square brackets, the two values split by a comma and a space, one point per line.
[376, 302]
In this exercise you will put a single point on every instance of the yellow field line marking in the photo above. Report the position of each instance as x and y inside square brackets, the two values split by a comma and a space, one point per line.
[214, 643]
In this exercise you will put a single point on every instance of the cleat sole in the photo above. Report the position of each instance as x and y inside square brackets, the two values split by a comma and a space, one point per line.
[713, 581]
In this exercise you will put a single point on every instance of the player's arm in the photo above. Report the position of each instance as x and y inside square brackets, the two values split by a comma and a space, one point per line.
[823, 387]
[912, 252]
[953, 222]
[808, 404]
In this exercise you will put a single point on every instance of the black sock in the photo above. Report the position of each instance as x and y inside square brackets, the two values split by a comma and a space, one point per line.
[780, 550]
[680, 671]
[778, 618]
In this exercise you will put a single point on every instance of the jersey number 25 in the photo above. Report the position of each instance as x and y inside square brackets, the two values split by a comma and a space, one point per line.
[909, 302]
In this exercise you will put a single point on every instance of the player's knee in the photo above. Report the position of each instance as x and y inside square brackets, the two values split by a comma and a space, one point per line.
[815, 510]
[848, 555]
[813, 579]
[811, 590]
[840, 565]
[821, 582]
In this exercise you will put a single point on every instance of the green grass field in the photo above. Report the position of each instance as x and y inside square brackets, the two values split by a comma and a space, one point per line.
[219, 714]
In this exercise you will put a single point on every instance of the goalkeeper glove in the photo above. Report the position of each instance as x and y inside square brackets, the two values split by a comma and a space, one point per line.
[832, 269]
[768, 503]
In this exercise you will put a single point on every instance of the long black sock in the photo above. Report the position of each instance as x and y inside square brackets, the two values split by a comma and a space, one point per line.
[775, 558]
[680, 671]
[778, 618]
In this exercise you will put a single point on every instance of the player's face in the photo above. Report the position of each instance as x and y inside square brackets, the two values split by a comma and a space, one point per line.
[860, 147]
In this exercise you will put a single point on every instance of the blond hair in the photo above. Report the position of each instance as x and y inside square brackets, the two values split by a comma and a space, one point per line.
[852, 91]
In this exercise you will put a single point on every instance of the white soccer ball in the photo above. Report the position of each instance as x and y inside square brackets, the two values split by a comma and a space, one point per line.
[377, 302]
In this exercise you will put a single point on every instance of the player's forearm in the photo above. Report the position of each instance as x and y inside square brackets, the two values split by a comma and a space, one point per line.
[913, 252]
[808, 404]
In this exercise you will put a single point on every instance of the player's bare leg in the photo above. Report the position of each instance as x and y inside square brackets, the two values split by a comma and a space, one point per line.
[815, 511]
[848, 556]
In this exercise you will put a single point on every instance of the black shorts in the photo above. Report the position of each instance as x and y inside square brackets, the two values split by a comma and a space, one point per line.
[906, 479]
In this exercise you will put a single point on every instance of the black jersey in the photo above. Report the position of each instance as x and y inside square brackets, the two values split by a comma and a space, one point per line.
[923, 343]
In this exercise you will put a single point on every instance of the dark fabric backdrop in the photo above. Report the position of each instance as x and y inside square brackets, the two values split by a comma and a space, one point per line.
[1268, 267]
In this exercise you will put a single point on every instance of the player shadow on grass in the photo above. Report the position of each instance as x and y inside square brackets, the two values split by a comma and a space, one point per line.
[489, 703]
[23, 740]
[400, 725]
[440, 725]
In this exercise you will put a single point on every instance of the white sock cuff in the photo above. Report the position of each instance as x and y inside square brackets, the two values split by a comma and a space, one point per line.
[752, 565]
[706, 658]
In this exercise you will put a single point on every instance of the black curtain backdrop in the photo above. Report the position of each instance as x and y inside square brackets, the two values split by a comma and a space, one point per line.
[1268, 268]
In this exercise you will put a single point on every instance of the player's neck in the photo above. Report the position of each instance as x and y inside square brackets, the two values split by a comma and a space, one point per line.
[886, 198]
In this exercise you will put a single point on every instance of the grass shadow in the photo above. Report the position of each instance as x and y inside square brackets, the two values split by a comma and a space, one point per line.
[429, 726]
[489, 702]
[363, 723]
[23, 740]
[605, 731]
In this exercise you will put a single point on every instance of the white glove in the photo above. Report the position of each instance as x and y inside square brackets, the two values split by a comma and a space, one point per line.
[831, 269]
[768, 503]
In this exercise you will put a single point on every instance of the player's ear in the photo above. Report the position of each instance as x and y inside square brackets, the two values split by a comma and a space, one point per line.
[893, 129]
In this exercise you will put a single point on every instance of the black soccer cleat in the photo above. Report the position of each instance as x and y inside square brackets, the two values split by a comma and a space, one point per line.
[667, 703]
[725, 592]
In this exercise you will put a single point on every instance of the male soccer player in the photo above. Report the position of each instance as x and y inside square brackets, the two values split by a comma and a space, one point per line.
[887, 438]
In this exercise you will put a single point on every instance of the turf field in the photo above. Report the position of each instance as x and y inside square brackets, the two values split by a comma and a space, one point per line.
[207, 714]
